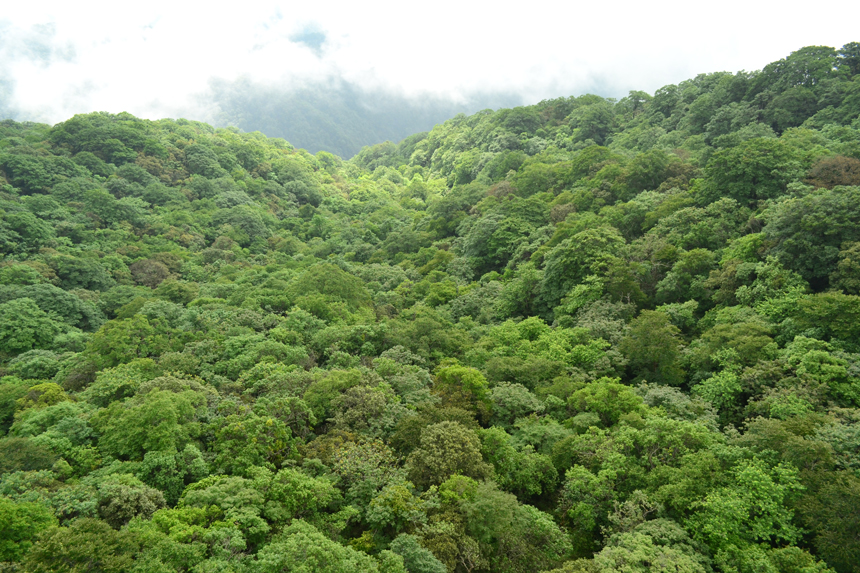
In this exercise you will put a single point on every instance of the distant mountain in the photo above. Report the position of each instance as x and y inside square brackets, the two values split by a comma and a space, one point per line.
[337, 116]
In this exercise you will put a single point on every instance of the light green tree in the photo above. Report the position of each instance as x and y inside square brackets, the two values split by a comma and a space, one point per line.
[446, 448]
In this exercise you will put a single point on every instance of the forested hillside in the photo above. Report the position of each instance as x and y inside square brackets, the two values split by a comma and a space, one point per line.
[582, 336]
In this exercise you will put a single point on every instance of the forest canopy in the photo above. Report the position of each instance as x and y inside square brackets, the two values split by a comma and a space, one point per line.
[586, 335]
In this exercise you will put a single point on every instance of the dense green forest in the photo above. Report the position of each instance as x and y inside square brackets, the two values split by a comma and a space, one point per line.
[582, 336]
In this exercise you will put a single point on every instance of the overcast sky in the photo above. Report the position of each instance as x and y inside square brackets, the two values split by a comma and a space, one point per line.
[156, 59]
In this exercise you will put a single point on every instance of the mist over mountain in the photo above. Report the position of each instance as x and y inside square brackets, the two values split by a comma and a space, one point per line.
[336, 115]
[334, 79]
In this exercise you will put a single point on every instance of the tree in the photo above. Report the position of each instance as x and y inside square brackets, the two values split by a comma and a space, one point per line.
[755, 170]
[416, 558]
[519, 296]
[201, 160]
[685, 281]
[81, 273]
[492, 241]
[58, 303]
[584, 503]
[301, 548]
[847, 273]
[446, 448]
[20, 525]
[754, 509]
[149, 273]
[309, 360]
[365, 469]
[809, 67]
[826, 512]
[37, 174]
[520, 471]
[170, 472]
[512, 401]
[234, 500]
[428, 333]
[660, 545]
[407, 435]
[828, 172]
[86, 545]
[23, 232]
[180, 292]
[653, 348]
[331, 281]
[242, 223]
[321, 394]
[369, 411]
[396, 508]
[292, 494]
[647, 171]
[808, 231]
[120, 341]
[119, 382]
[123, 497]
[849, 58]
[511, 537]
[11, 389]
[723, 391]
[607, 398]
[709, 227]
[462, 387]
[593, 122]
[791, 108]
[40, 396]
[745, 341]
[242, 441]
[24, 326]
[571, 261]
[161, 420]
[829, 315]
[24, 454]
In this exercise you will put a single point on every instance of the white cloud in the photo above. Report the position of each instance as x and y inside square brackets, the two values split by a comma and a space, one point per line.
[153, 58]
